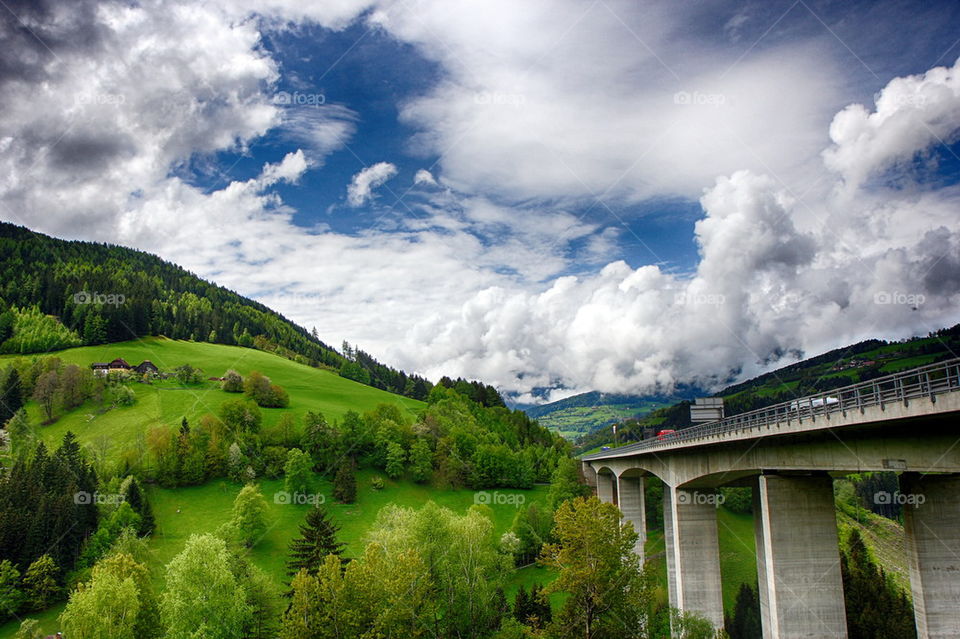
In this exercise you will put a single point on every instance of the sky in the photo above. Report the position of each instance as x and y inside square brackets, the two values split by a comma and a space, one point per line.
[552, 196]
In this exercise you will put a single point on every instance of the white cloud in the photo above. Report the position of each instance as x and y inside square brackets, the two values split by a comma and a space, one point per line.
[360, 189]
[778, 274]
[424, 176]
[911, 114]
[289, 169]
[555, 98]
[541, 105]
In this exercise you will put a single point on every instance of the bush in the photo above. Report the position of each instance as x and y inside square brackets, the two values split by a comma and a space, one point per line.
[376, 483]
[232, 382]
[123, 396]
[738, 500]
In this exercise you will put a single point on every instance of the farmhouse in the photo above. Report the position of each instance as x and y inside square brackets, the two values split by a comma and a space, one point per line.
[120, 364]
[145, 367]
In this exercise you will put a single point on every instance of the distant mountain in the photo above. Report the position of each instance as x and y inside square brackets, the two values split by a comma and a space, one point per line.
[582, 414]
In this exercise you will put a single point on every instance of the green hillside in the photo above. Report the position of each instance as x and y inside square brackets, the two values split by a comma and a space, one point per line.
[166, 401]
[182, 512]
[55, 294]
[584, 413]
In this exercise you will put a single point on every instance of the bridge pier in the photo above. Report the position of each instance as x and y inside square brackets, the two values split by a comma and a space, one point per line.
[605, 487]
[633, 507]
[693, 551]
[798, 558]
[933, 550]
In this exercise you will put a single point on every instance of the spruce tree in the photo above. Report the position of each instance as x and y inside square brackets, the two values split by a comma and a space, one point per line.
[745, 623]
[521, 605]
[133, 494]
[11, 395]
[345, 483]
[318, 538]
[540, 612]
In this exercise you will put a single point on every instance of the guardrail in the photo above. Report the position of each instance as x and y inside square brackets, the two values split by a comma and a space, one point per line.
[922, 382]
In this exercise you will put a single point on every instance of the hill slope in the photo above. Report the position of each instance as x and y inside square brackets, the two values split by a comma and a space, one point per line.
[582, 414]
[57, 293]
[166, 402]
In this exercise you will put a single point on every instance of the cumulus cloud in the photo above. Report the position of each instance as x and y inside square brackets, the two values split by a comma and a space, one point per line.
[912, 113]
[360, 189]
[778, 276]
[424, 176]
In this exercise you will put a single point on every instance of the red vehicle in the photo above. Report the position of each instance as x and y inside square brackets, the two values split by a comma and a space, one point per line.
[663, 434]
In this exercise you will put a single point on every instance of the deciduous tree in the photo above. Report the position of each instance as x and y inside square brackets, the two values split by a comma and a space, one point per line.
[203, 597]
[250, 515]
[608, 595]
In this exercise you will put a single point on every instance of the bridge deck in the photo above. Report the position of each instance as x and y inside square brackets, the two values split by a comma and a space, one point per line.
[924, 382]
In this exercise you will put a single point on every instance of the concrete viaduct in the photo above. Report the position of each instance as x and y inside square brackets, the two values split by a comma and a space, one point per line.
[789, 454]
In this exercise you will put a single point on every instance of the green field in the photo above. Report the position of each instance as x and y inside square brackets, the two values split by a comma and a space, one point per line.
[181, 512]
[166, 402]
[738, 555]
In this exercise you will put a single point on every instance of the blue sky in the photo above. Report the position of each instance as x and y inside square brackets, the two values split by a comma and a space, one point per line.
[620, 196]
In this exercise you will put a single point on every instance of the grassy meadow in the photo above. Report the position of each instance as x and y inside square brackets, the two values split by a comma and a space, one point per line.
[167, 402]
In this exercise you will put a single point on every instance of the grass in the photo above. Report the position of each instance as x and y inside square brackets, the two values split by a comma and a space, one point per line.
[910, 362]
[166, 402]
[203, 508]
[181, 512]
[738, 556]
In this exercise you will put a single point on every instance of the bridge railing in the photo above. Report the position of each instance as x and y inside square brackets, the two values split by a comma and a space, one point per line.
[923, 382]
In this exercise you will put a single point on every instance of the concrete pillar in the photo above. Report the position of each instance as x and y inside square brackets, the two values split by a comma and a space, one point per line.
[605, 481]
[693, 552]
[589, 474]
[798, 559]
[632, 506]
[931, 518]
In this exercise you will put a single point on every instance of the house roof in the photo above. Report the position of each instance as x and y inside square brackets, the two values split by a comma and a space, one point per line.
[120, 362]
[99, 365]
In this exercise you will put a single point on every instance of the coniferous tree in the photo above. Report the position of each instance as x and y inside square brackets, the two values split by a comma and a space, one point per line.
[318, 538]
[876, 608]
[11, 394]
[745, 622]
[521, 605]
[133, 494]
[345, 483]
[540, 612]
[40, 582]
